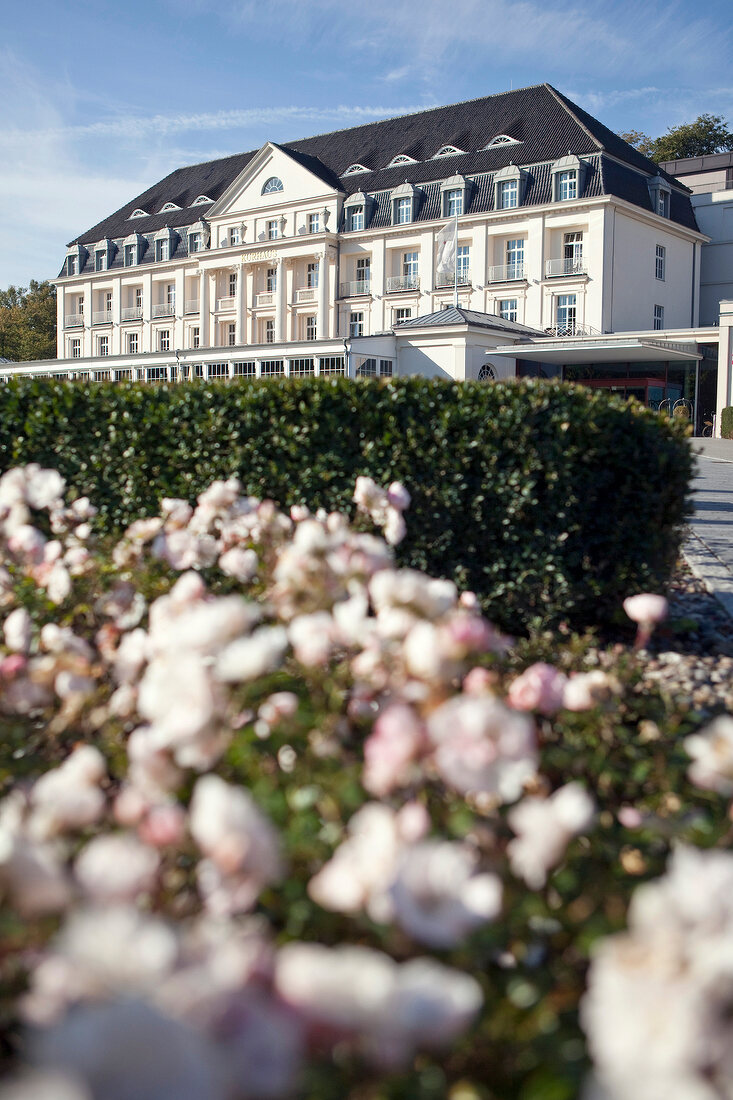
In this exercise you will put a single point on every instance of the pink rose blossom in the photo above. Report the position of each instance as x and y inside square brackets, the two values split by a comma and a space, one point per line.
[540, 687]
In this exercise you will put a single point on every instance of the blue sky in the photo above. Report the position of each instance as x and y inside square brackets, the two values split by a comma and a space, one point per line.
[100, 99]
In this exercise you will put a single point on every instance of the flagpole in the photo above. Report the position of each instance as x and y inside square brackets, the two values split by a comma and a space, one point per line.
[455, 265]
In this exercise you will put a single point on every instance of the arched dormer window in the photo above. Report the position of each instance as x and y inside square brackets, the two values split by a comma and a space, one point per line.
[358, 210]
[502, 139]
[138, 214]
[201, 200]
[509, 187]
[404, 204]
[401, 158]
[448, 151]
[271, 186]
[168, 206]
[355, 169]
[567, 178]
[455, 194]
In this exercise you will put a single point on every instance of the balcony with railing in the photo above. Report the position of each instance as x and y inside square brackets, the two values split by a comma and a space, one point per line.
[443, 280]
[132, 313]
[164, 309]
[192, 305]
[223, 304]
[397, 283]
[506, 273]
[102, 317]
[267, 298]
[568, 265]
[572, 328]
[355, 288]
[74, 320]
[306, 294]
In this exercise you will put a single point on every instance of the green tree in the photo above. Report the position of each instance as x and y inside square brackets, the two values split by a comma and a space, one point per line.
[639, 140]
[28, 322]
[707, 134]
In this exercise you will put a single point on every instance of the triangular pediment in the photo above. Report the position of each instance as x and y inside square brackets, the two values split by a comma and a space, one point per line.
[274, 178]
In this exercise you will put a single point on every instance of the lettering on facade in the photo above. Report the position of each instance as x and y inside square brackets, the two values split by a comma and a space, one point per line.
[263, 254]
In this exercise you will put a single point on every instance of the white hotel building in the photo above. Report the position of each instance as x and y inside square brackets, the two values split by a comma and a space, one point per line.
[320, 256]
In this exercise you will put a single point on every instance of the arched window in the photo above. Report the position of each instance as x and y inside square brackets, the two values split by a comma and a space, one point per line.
[487, 373]
[139, 213]
[401, 158]
[448, 151]
[272, 185]
[168, 206]
[354, 169]
[502, 139]
[201, 200]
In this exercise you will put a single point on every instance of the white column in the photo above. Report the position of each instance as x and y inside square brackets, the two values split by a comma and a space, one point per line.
[180, 300]
[250, 320]
[379, 311]
[147, 339]
[203, 308]
[211, 314]
[279, 301]
[289, 299]
[61, 322]
[725, 361]
[322, 317]
[87, 336]
[238, 307]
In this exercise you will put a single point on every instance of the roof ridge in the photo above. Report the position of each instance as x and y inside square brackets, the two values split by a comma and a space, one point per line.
[569, 107]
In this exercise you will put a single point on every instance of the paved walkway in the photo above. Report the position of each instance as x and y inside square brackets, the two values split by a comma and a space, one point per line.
[709, 550]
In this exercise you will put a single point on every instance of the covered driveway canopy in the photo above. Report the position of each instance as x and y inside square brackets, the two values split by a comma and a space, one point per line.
[596, 351]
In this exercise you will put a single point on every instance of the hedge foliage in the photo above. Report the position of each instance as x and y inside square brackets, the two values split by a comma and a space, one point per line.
[726, 423]
[552, 502]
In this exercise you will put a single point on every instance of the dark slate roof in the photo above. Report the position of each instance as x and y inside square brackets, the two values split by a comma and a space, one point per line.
[546, 123]
[457, 315]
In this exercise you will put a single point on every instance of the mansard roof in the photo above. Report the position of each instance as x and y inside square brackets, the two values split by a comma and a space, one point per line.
[545, 123]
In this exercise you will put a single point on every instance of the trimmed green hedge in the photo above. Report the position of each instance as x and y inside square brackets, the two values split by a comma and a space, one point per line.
[552, 502]
[726, 422]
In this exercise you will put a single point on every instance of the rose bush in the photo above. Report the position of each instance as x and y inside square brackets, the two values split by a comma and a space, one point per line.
[281, 819]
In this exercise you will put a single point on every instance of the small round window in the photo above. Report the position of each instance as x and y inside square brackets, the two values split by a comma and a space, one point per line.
[272, 185]
[487, 373]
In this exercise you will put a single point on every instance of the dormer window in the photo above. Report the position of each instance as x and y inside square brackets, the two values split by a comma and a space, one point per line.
[453, 202]
[401, 158]
[404, 203]
[75, 259]
[448, 151]
[567, 179]
[509, 187]
[355, 169]
[72, 265]
[194, 243]
[164, 245]
[103, 255]
[130, 255]
[271, 186]
[502, 139]
[660, 194]
[201, 200]
[132, 250]
[454, 193]
[356, 218]
[198, 237]
[357, 211]
[168, 206]
[138, 214]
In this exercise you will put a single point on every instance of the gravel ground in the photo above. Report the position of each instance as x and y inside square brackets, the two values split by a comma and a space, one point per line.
[693, 656]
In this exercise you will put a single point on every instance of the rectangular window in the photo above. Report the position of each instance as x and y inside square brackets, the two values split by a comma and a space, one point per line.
[162, 249]
[130, 255]
[195, 337]
[454, 202]
[463, 262]
[80, 307]
[103, 345]
[659, 317]
[410, 266]
[663, 204]
[404, 211]
[245, 370]
[310, 328]
[567, 186]
[272, 230]
[156, 374]
[363, 274]
[385, 368]
[333, 364]
[231, 335]
[508, 309]
[314, 223]
[232, 285]
[660, 262]
[356, 324]
[194, 242]
[271, 279]
[218, 370]
[170, 294]
[198, 370]
[76, 349]
[515, 258]
[108, 302]
[367, 369]
[235, 235]
[356, 218]
[270, 331]
[71, 265]
[271, 367]
[300, 368]
[139, 297]
[133, 343]
[164, 340]
[566, 313]
[311, 275]
[508, 194]
[404, 313]
[99, 261]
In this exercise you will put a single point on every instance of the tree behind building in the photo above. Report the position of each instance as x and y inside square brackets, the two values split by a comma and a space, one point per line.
[28, 322]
